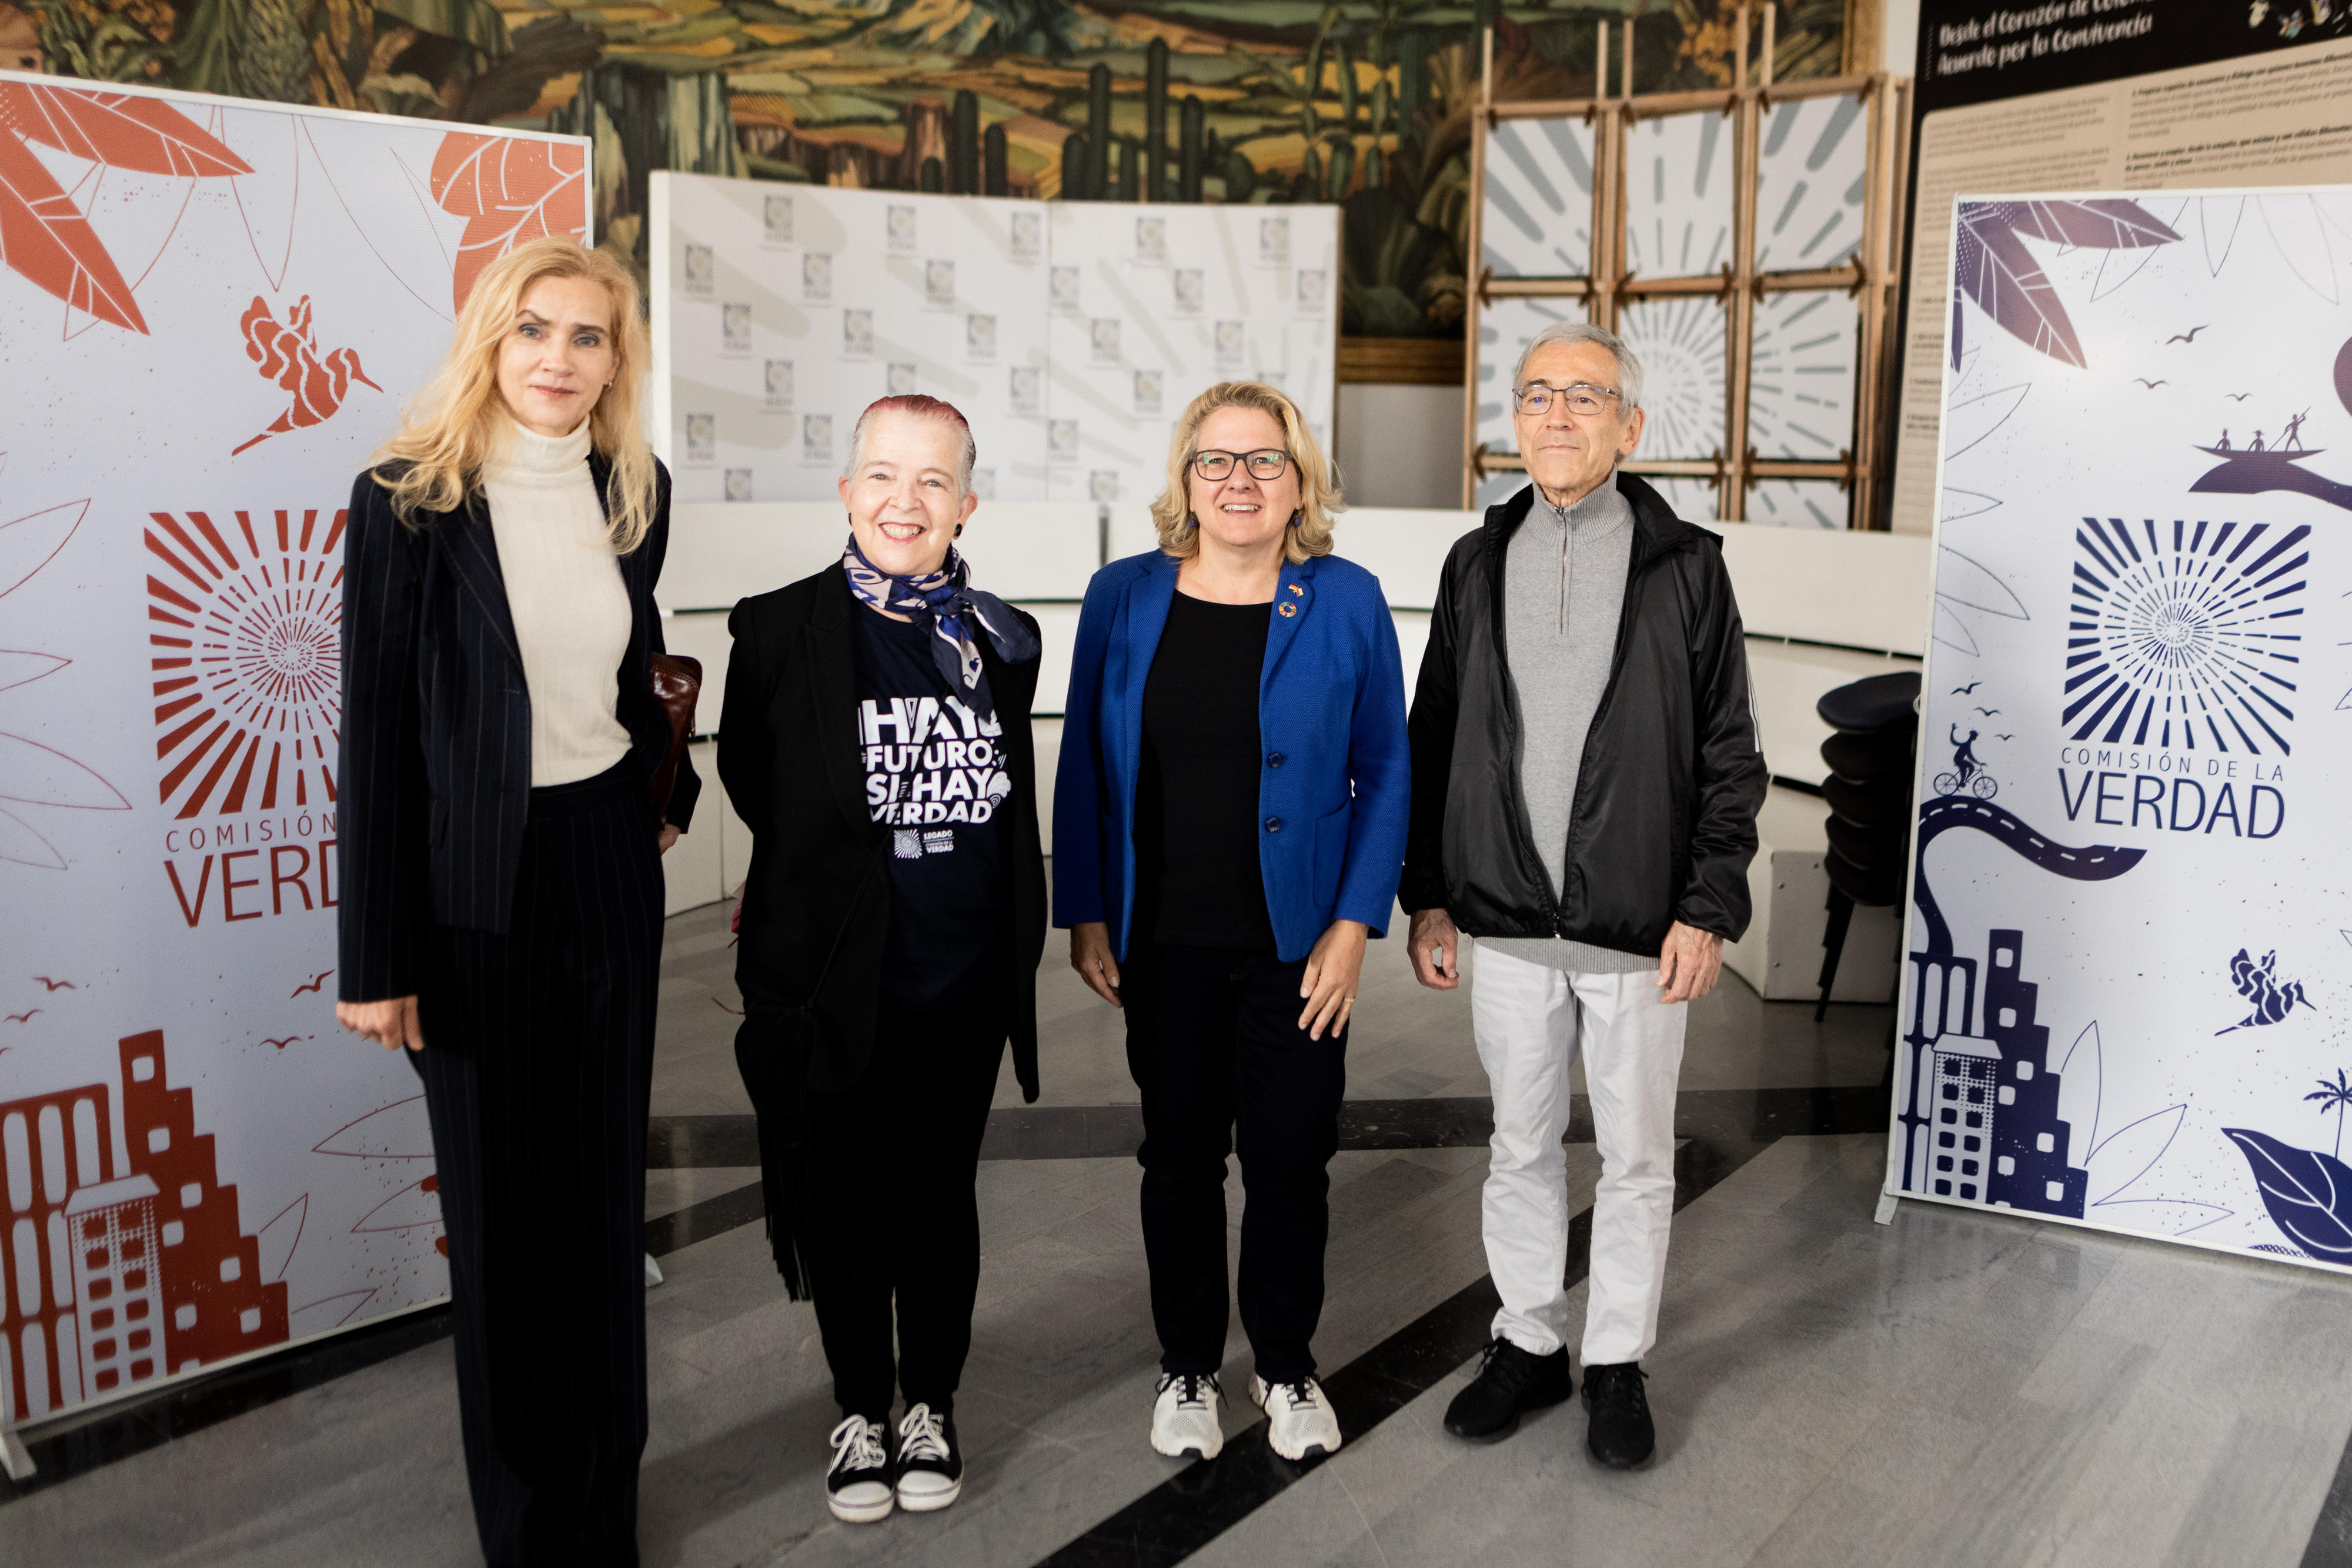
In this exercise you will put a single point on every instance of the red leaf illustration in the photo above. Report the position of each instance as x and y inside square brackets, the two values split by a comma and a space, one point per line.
[2098, 225]
[509, 191]
[141, 134]
[1994, 268]
[45, 240]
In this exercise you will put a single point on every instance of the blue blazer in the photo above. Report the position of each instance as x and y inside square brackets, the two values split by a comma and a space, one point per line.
[1334, 794]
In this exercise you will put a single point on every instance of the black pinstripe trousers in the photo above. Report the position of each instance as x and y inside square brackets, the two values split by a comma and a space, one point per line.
[535, 1046]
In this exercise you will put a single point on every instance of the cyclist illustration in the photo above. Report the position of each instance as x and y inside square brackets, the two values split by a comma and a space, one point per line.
[1968, 770]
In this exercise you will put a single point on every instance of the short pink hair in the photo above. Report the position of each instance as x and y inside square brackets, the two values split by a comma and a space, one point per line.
[921, 407]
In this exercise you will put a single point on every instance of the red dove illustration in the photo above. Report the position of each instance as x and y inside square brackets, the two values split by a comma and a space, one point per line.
[288, 355]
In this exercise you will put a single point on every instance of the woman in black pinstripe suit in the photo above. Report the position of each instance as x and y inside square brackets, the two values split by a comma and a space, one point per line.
[502, 887]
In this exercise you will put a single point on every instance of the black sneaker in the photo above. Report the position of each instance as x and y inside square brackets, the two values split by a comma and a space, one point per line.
[1619, 1434]
[857, 1487]
[1510, 1382]
[931, 1465]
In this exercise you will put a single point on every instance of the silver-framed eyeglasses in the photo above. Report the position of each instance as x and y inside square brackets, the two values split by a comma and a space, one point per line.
[1583, 397]
[1265, 464]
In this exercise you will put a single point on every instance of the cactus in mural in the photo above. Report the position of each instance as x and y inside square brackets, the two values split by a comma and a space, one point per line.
[991, 158]
[1188, 149]
[1074, 166]
[1155, 121]
[1098, 131]
[963, 144]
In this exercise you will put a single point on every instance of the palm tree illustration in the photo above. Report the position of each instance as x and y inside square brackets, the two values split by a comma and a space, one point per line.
[2336, 1097]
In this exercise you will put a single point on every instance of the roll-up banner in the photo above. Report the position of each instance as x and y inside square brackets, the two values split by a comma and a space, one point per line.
[211, 311]
[2130, 919]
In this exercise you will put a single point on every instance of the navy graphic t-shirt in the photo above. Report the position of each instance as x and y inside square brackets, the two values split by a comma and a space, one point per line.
[935, 777]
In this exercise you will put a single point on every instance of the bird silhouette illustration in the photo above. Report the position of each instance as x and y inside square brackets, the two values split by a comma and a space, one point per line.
[287, 354]
[22, 1018]
[282, 1044]
[1968, 690]
[57, 984]
[2237, 397]
[1988, 712]
[2188, 337]
[316, 981]
[2004, 737]
[2149, 385]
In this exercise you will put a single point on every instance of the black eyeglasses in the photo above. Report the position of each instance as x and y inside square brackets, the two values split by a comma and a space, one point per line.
[1583, 399]
[1267, 464]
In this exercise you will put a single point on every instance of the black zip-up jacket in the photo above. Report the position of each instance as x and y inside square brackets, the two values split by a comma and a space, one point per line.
[1663, 823]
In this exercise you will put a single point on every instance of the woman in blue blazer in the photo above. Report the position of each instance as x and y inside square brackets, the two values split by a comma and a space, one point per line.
[1229, 822]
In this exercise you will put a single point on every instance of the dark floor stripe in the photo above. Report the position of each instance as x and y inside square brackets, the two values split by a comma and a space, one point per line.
[1116, 1132]
[1207, 1497]
[2331, 1533]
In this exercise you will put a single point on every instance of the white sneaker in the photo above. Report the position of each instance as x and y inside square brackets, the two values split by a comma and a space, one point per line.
[931, 1465]
[1184, 1418]
[857, 1487]
[1298, 1417]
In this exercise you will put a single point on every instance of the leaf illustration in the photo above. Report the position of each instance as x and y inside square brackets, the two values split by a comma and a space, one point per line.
[44, 239]
[1953, 633]
[42, 775]
[19, 844]
[143, 134]
[1968, 583]
[1972, 419]
[19, 668]
[1959, 504]
[2309, 1193]
[1995, 270]
[2294, 223]
[30, 542]
[2217, 221]
[509, 190]
[2083, 1089]
[2131, 1151]
[2097, 226]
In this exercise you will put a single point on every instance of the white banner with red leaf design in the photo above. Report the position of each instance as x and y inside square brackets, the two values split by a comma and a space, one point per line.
[210, 313]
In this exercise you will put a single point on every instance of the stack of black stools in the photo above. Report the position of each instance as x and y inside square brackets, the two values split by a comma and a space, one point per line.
[1873, 763]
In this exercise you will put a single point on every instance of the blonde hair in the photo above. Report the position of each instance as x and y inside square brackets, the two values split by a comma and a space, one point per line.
[458, 426]
[1319, 487]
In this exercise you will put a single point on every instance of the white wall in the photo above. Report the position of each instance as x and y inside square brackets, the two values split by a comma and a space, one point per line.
[1401, 446]
[1902, 36]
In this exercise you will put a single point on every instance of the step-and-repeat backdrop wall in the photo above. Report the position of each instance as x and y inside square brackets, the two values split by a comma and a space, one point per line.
[2132, 897]
[210, 313]
[1071, 334]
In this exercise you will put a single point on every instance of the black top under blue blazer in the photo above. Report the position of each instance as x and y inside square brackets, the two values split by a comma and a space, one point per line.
[433, 779]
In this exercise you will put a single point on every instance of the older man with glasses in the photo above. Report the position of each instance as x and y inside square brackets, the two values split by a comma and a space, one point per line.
[1585, 782]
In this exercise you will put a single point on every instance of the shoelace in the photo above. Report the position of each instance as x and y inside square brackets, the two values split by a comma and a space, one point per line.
[1621, 1388]
[1189, 1386]
[1515, 1371]
[922, 1434]
[1302, 1392]
[857, 1445]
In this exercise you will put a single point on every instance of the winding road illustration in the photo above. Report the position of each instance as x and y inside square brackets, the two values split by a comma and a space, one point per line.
[2091, 863]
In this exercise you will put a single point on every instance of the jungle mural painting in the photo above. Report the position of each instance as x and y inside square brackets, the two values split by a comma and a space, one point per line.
[1366, 103]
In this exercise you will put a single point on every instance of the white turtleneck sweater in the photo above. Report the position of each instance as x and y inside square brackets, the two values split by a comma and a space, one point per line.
[569, 607]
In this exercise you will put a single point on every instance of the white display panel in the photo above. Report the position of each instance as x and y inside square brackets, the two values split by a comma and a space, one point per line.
[1070, 334]
[1538, 218]
[1801, 377]
[1678, 185]
[1810, 176]
[1679, 341]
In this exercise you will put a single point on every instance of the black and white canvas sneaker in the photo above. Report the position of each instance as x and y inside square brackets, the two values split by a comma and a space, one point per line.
[931, 1465]
[857, 1487]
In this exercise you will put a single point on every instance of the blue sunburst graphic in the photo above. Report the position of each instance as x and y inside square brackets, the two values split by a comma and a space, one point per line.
[2191, 643]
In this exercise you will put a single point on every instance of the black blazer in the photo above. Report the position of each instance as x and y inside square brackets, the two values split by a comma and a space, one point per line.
[816, 907]
[433, 779]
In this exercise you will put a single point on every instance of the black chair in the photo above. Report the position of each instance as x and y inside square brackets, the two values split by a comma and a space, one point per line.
[1872, 761]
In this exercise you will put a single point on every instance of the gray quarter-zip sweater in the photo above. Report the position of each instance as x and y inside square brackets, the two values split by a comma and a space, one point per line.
[1563, 593]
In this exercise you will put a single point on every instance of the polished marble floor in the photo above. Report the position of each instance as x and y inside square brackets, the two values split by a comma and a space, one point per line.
[1948, 1389]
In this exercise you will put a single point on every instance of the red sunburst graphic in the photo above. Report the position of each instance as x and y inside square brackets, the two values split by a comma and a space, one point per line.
[247, 658]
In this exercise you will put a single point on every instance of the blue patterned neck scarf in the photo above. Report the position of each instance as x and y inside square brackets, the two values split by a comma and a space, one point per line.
[947, 604]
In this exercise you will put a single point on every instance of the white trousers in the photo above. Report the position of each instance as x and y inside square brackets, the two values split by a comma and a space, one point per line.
[1530, 1020]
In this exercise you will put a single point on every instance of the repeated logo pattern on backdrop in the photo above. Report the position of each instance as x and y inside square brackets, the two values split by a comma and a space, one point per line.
[209, 315]
[1070, 334]
[2131, 906]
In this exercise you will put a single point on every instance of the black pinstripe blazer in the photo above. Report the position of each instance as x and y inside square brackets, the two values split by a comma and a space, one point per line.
[435, 773]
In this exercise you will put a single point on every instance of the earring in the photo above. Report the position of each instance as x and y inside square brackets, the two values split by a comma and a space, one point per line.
[1294, 518]
[1190, 521]
[958, 533]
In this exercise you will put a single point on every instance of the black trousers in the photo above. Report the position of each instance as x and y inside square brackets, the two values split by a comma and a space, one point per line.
[894, 1217]
[1214, 1041]
[535, 1043]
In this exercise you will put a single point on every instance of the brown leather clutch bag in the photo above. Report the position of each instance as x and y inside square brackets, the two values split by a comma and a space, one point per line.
[678, 682]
